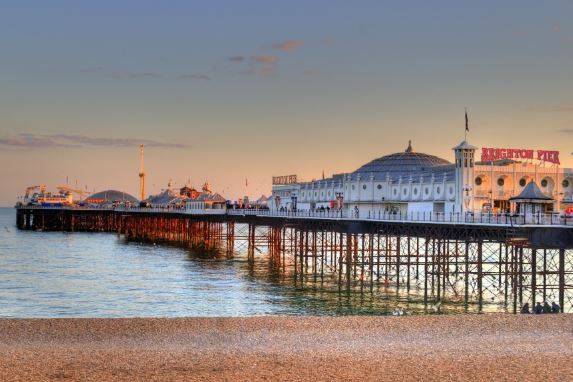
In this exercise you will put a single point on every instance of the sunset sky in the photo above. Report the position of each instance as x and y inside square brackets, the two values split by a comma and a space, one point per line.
[231, 90]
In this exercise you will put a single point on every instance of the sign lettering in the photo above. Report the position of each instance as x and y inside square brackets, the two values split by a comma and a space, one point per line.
[489, 154]
[282, 180]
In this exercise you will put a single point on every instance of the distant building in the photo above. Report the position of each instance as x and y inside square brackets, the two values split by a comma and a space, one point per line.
[110, 197]
[189, 199]
[213, 203]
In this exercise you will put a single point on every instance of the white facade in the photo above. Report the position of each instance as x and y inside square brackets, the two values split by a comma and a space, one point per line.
[416, 183]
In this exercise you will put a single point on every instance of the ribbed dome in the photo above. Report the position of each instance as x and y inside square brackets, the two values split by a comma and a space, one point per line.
[110, 196]
[405, 162]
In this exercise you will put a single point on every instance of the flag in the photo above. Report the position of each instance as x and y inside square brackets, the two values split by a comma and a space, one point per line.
[467, 122]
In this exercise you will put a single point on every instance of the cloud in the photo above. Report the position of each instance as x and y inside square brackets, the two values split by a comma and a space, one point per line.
[130, 75]
[194, 77]
[135, 75]
[265, 59]
[566, 131]
[288, 46]
[264, 65]
[236, 58]
[25, 140]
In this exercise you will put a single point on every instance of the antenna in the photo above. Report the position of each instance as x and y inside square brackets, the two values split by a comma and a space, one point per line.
[141, 174]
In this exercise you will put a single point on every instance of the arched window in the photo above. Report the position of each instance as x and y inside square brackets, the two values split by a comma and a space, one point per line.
[565, 183]
[522, 182]
[479, 181]
[500, 182]
[379, 186]
[544, 183]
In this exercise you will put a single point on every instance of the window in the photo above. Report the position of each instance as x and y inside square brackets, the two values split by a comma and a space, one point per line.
[479, 181]
[451, 190]
[565, 183]
[405, 191]
[302, 194]
[364, 187]
[544, 183]
[415, 191]
[500, 182]
[329, 193]
[522, 182]
[353, 187]
[426, 190]
[322, 194]
[395, 192]
[438, 190]
[379, 186]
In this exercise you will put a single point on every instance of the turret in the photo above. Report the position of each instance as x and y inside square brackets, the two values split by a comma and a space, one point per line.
[141, 175]
[465, 155]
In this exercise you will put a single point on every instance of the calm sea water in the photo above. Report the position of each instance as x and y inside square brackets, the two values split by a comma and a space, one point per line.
[52, 274]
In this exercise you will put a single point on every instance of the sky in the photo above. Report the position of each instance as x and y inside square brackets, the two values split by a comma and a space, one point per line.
[229, 91]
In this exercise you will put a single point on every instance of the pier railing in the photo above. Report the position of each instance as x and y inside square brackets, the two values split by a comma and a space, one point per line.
[421, 217]
[478, 218]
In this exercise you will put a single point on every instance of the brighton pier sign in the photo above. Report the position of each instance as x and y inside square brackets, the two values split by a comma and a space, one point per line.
[492, 154]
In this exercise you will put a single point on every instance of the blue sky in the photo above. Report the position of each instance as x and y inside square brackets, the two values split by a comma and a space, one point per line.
[228, 90]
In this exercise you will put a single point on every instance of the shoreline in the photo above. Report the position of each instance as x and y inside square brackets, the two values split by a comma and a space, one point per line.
[457, 347]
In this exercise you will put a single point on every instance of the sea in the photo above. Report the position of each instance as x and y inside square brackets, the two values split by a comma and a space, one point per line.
[57, 274]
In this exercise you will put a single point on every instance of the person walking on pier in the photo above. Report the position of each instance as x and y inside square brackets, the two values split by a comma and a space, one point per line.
[525, 309]
[538, 308]
[546, 307]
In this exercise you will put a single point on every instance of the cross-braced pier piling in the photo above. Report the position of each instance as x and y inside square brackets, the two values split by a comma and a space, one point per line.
[474, 265]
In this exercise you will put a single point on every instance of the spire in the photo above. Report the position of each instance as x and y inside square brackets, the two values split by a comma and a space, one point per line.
[141, 174]
[409, 148]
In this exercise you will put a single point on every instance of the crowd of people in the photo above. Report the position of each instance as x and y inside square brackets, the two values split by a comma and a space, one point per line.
[541, 309]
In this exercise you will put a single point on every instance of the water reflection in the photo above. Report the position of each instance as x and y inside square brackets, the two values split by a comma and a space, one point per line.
[100, 275]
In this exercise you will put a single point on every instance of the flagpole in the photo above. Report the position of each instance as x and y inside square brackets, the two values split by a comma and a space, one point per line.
[467, 126]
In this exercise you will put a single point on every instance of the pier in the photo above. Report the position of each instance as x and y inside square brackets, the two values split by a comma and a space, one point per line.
[478, 262]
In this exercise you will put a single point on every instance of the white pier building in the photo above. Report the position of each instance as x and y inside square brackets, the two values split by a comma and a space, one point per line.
[411, 183]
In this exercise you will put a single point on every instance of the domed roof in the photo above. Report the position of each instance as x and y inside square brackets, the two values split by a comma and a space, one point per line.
[163, 197]
[405, 162]
[110, 196]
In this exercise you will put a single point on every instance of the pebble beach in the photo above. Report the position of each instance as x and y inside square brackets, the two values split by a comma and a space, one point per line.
[444, 348]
